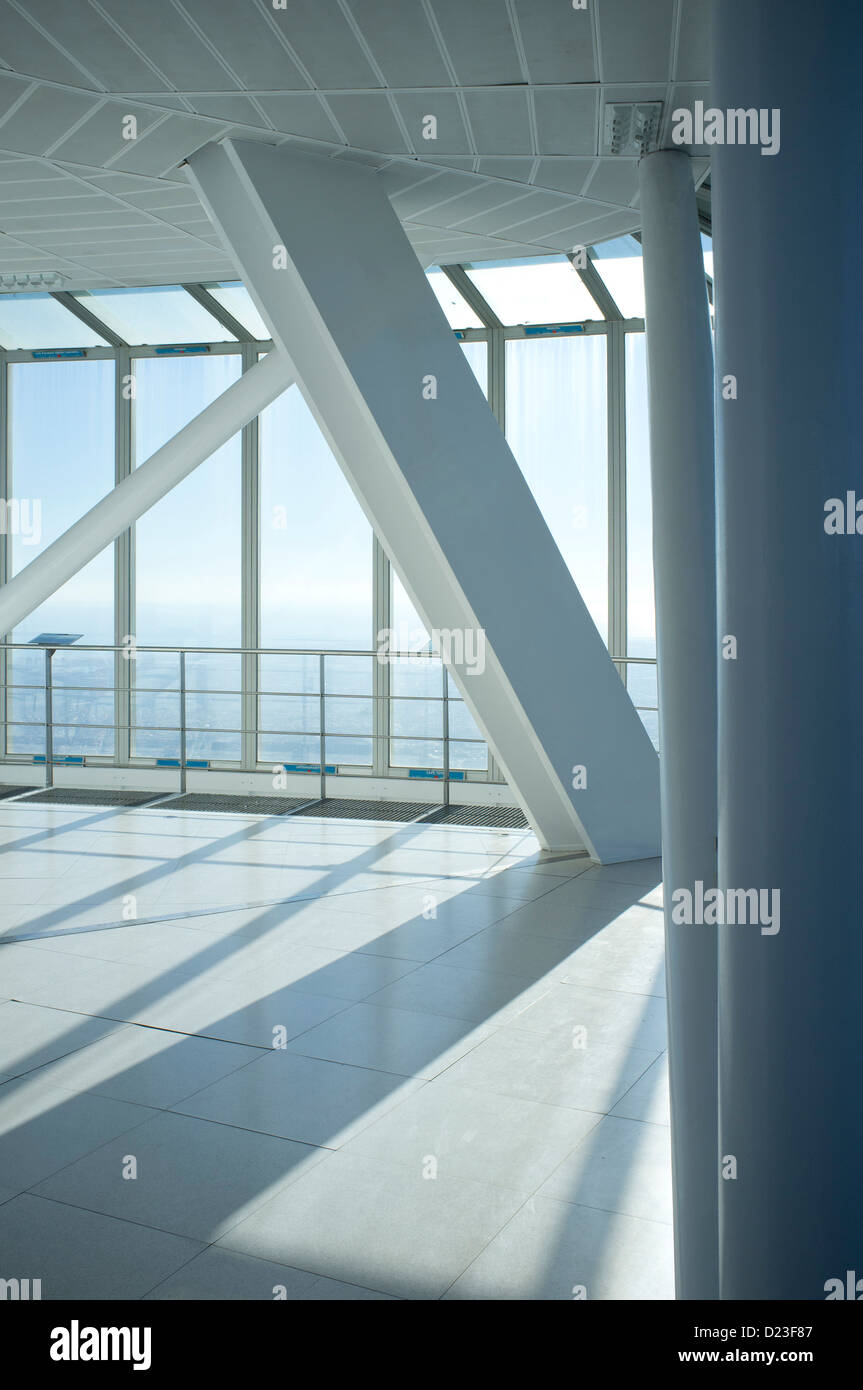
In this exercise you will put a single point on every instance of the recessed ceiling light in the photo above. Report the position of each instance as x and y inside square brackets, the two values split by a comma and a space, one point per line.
[630, 128]
[33, 280]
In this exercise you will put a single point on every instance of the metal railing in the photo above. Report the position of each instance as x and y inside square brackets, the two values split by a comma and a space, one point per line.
[127, 748]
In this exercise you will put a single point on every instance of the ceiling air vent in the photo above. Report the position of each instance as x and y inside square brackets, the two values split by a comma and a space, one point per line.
[630, 128]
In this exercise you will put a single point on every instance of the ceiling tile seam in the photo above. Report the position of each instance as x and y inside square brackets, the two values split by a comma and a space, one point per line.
[69, 262]
[217, 54]
[138, 142]
[597, 49]
[148, 215]
[72, 168]
[593, 202]
[515, 29]
[138, 51]
[665, 124]
[16, 107]
[55, 44]
[76, 126]
[367, 52]
[532, 247]
[151, 98]
[437, 34]
[493, 212]
[676, 20]
[444, 202]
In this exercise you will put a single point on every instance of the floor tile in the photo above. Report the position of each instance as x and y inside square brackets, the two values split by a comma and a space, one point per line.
[223, 1274]
[472, 995]
[648, 1098]
[232, 1172]
[301, 1098]
[31, 1035]
[554, 1250]
[550, 1069]
[621, 1165]
[390, 1040]
[353, 1220]
[503, 1140]
[81, 1255]
[148, 1066]
[42, 1128]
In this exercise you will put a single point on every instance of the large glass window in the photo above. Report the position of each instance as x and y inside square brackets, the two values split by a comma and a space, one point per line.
[544, 290]
[188, 568]
[640, 607]
[316, 592]
[556, 415]
[61, 444]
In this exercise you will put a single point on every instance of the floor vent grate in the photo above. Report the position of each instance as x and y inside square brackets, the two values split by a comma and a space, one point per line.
[240, 805]
[485, 817]
[350, 809]
[91, 796]
[13, 791]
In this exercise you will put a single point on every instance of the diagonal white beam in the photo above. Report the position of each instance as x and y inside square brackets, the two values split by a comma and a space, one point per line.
[148, 484]
[328, 264]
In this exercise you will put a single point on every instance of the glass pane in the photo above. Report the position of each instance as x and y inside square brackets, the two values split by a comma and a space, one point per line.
[61, 442]
[620, 265]
[546, 290]
[415, 753]
[416, 678]
[477, 355]
[188, 546]
[416, 719]
[155, 316]
[556, 425]
[289, 674]
[458, 312]
[188, 558]
[236, 299]
[38, 321]
[640, 608]
[316, 544]
[461, 721]
[468, 757]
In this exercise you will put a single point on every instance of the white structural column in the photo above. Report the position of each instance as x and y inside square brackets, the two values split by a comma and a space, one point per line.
[326, 260]
[116, 512]
[789, 286]
[680, 385]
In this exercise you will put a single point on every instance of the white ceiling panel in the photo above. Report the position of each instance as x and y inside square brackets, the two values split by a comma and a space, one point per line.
[451, 136]
[25, 49]
[297, 114]
[247, 39]
[43, 119]
[479, 41]
[80, 31]
[402, 41]
[558, 41]
[326, 44]
[517, 88]
[566, 121]
[368, 122]
[500, 122]
[159, 30]
[100, 139]
[614, 181]
[635, 39]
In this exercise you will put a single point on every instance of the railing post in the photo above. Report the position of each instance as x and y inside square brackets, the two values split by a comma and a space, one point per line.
[323, 723]
[445, 734]
[182, 721]
[49, 720]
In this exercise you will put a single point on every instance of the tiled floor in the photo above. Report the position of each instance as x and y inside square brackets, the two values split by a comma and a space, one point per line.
[246, 1057]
